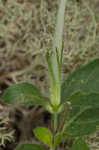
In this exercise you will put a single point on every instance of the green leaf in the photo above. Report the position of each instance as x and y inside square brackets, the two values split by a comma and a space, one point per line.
[85, 79]
[80, 145]
[28, 146]
[80, 99]
[57, 139]
[44, 135]
[24, 93]
[79, 129]
[83, 118]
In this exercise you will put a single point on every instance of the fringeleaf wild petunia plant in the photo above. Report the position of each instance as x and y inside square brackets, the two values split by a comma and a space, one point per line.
[73, 103]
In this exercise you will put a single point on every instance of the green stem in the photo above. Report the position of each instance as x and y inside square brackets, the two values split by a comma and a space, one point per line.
[59, 26]
[52, 148]
[56, 57]
[55, 121]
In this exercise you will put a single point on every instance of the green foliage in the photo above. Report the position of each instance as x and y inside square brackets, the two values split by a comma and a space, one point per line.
[28, 146]
[57, 139]
[24, 93]
[85, 79]
[81, 128]
[84, 99]
[83, 118]
[44, 135]
[80, 144]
